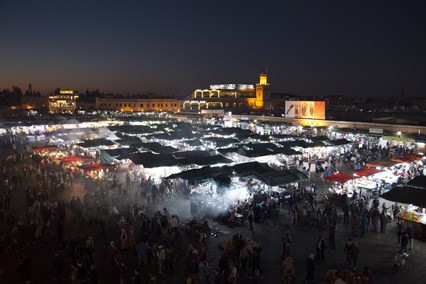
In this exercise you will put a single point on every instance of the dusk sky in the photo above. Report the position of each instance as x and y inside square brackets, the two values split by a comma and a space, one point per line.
[351, 48]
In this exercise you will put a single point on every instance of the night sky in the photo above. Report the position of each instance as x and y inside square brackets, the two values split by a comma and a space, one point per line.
[350, 48]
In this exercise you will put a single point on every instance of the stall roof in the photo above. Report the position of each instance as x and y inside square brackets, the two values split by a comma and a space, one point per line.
[130, 141]
[419, 181]
[340, 178]
[255, 136]
[300, 175]
[269, 175]
[408, 158]
[132, 129]
[158, 148]
[116, 153]
[319, 139]
[96, 167]
[407, 195]
[251, 167]
[381, 163]
[203, 173]
[284, 136]
[75, 159]
[45, 147]
[175, 135]
[297, 143]
[72, 132]
[222, 142]
[258, 150]
[193, 142]
[151, 160]
[200, 158]
[96, 143]
[365, 172]
[340, 142]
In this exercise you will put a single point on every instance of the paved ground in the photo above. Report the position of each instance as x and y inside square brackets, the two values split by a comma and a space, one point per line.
[376, 250]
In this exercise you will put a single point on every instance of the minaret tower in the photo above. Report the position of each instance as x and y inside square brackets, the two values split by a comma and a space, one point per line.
[263, 98]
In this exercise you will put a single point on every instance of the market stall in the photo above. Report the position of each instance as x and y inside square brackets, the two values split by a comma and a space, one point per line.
[342, 186]
[413, 211]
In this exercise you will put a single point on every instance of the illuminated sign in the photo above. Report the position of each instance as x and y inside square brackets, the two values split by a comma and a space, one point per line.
[66, 92]
[305, 109]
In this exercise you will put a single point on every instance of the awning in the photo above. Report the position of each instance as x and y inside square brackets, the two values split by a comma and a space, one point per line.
[340, 142]
[365, 172]
[340, 178]
[419, 181]
[46, 147]
[407, 195]
[408, 158]
[382, 164]
[76, 159]
[97, 167]
[96, 143]
[268, 175]
[216, 173]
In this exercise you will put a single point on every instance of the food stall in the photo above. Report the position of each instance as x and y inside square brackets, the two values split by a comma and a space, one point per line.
[342, 185]
[413, 210]
[416, 217]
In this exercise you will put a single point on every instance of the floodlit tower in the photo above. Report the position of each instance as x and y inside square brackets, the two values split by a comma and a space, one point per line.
[263, 98]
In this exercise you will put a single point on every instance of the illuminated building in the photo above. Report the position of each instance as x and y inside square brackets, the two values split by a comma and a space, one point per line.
[139, 104]
[64, 102]
[236, 96]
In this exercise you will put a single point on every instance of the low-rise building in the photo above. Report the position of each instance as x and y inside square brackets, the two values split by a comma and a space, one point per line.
[139, 104]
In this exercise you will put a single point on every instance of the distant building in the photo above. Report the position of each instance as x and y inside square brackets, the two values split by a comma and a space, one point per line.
[234, 96]
[34, 102]
[64, 102]
[139, 104]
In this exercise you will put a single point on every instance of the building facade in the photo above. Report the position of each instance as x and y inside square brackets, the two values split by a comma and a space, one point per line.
[139, 104]
[231, 96]
[63, 102]
[34, 102]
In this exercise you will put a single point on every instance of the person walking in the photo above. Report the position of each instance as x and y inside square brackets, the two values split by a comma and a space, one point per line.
[250, 217]
[289, 271]
[355, 253]
[401, 229]
[346, 214]
[365, 222]
[294, 214]
[410, 233]
[320, 249]
[404, 242]
[310, 268]
[331, 234]
[349, 250]
[383, 222]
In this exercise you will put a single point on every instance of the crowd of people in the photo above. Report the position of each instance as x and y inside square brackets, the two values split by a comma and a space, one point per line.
[144, 242]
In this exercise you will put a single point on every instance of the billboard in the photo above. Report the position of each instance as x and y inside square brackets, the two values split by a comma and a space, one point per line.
[305, 109]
